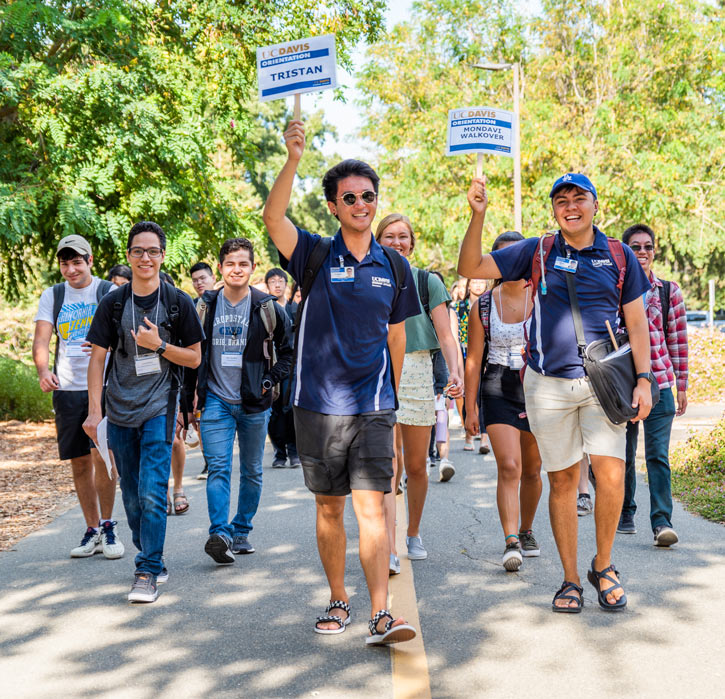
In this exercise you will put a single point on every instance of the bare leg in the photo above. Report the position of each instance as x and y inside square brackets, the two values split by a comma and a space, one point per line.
[564, 524]
[105, 486]
[332, 545]
[374, 551]
[609, 473]
[178, 461]
[415, 450]
[583, 486]
[84, 482]
[530, 480]
[390, 508]
[507, 450]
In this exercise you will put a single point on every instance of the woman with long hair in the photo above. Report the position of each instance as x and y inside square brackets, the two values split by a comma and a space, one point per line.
[497, 324]
[416, 414]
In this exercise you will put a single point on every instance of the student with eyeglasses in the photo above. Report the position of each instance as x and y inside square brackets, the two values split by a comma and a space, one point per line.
[350, 346]
[667, 319]
[153, 332]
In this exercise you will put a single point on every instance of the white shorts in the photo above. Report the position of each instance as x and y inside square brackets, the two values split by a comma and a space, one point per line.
[568, 421]
[415, 396]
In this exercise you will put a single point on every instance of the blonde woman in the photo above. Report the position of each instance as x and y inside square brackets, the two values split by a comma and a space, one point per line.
[416, 414]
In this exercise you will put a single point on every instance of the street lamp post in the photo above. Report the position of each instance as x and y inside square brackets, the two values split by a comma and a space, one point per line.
[517, 138]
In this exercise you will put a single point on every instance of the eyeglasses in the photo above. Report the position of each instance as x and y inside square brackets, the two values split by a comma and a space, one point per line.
[648, 247]
[350, 197]
[151, 252]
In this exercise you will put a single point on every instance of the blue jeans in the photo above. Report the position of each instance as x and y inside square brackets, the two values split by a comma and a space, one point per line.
[143, 460]
[657, 429]
[219, 423]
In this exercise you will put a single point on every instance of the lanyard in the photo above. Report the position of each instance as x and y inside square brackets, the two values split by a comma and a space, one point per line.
[133, 314]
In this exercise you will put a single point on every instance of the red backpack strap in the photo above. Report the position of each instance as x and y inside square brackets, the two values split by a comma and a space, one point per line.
[543, 248]
[617, 252]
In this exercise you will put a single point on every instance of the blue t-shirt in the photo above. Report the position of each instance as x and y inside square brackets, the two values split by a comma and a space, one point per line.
[343, 364]
[552, 336]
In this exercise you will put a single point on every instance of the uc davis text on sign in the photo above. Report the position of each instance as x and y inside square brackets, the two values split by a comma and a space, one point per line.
[296, 67]
[480, 130]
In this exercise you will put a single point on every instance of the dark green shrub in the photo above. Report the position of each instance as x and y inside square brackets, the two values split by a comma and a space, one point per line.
[20, 394]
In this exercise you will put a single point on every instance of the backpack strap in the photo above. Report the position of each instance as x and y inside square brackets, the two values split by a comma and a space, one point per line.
[104, 286]
[423, 290]
[58, 296]
[170, 301]
[269, 320]
[537, 282]
[398, 264]
[484, 312]
[616, 250]
[664, 291]
[117, 313]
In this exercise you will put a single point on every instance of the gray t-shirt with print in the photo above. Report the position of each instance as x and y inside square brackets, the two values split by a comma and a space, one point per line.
[228, 340]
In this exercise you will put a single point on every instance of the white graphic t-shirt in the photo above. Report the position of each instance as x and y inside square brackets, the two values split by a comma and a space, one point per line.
[74, 321]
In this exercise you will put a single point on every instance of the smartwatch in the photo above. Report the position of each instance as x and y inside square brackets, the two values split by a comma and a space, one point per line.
[161, 348]
[644, 375]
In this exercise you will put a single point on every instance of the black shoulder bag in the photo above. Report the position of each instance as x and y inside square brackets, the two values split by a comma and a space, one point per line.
[611, 372]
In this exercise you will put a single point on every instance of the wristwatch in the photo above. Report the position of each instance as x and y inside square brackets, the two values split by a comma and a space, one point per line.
[644, 375]
[161, 348]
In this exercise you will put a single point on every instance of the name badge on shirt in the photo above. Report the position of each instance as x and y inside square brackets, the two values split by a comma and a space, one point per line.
[148, 364]
[516, 361]
[566, 264]
[75, 349]
[232, 359]
[342, 274]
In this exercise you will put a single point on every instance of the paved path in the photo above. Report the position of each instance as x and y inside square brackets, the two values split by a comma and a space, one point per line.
[66, 629]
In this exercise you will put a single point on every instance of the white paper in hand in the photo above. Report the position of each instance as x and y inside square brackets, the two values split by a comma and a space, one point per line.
[102, 445]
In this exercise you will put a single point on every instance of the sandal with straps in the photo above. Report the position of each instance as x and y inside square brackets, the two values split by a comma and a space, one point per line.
[594, 576]
[342, 623]
[392, 634]
[561, 594]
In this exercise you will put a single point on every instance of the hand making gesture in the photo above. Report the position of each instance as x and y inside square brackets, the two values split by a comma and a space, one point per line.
[148, 336]
[294, 139]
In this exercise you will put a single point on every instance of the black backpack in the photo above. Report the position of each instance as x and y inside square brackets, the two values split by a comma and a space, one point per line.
[171, 301]
[102, 289]
[664, 292]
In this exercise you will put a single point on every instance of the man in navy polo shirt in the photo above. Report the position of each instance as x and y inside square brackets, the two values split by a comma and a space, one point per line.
[351, 331]
[565, 415]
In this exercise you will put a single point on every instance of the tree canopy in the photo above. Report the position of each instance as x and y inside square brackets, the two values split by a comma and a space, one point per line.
[629, 93]
[112, 111]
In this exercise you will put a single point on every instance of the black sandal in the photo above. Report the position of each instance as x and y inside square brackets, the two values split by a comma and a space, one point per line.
[342, 623]
[392, 634]
[569, 587]
[594, 576]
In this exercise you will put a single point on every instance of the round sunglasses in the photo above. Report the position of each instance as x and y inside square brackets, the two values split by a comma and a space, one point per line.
[350, 197]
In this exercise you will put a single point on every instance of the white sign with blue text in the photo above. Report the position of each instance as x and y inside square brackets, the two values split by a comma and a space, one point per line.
[480, 130]
[295, 67]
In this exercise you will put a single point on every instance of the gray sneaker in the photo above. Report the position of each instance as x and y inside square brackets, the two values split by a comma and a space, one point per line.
[279, 463]
[241, 545]
[446, 471]
[394, 565]
[584, 505]
[626, 525]
[529, 545]
[163, 576]
[665, 536]
[512, 558]
[143, 589]
[416, 550]
[219, 547]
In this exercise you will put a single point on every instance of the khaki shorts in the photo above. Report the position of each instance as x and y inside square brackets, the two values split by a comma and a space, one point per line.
[568, 421]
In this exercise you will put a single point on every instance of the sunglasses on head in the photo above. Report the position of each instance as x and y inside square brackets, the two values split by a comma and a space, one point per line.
[637, 247]
[350, 197]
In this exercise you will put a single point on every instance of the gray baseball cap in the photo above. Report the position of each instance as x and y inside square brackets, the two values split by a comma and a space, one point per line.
[75, 242]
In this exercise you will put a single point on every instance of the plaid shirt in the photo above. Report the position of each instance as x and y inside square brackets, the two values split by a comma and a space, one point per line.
[669, 357]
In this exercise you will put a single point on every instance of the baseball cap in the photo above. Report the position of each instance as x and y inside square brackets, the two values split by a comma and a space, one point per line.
[575, 179]
[75, 242]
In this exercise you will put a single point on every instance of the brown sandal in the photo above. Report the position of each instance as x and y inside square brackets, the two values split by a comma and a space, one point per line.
[181, 503]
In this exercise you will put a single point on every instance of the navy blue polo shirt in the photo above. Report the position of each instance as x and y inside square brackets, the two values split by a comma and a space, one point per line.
[343, 363]
[552, 336]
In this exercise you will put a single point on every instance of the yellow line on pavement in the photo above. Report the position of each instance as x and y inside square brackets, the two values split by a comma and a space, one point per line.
[410, 665]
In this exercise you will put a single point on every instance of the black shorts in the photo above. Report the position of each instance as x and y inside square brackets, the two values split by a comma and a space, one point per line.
[502, 396]
[340, 453]
[71, 410]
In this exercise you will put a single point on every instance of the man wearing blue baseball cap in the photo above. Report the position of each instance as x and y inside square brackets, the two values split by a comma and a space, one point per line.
[564, 414]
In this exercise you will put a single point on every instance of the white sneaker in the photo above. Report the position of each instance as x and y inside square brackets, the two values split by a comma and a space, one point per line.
[111, 546]
[90, 544]
[394, 566]
[446, 471]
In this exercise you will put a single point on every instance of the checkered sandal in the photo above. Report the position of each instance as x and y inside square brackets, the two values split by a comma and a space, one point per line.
[342, 623]
[392, 634]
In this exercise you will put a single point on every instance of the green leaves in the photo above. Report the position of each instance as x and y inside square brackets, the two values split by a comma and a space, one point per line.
[113, 111]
